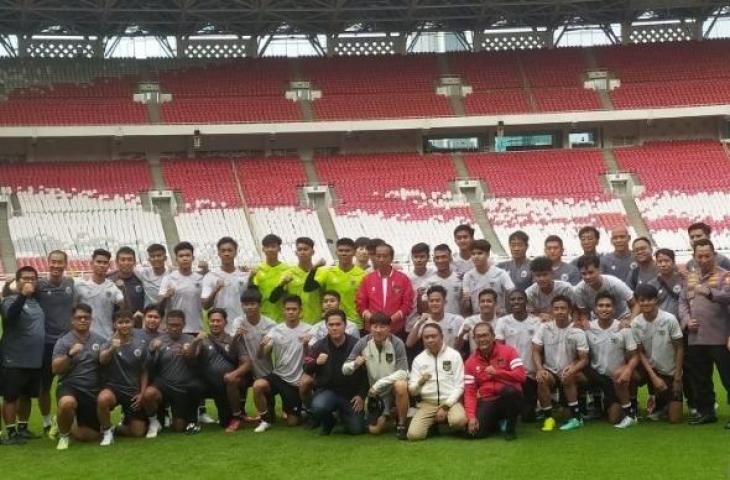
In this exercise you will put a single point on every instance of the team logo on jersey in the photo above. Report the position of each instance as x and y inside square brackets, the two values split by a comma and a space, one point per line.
[678, 288]
[661, 332]
[68, 291]
[564, 277]
[197, 284]
[109, 294]
[95, 347]
[397, 290]
[138, 288]
[389, 357]
[614, 340]
[137, 352]
[210, 347]
[634, 265]
[446, 365]
[227, 348]
[523, 274]
[531, 331]
[613, 267]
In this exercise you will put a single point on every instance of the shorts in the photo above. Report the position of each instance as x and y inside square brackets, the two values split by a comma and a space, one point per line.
[46, 371]
[124, 400]
[662, 398]
[183, 402]
[21, 382]
[291, 403]
[86, 409]
[602, 383]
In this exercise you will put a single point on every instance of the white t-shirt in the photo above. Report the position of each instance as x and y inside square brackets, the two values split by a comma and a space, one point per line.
[494, 278]
[252, 339]
[518, 334]
[229, 297]
[319, 331]
[450, 326]
[101, 297]
[417, 281]
[609, 346]
[288, 350]
[151, 283]
[585, 295]
[469, 322]
[186, 297]
[560, 345]
[657, 337]
[452, 284]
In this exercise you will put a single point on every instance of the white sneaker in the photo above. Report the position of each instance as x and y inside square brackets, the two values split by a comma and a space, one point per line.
[204, 418]
[154, 428]
[626, 422]
[63, 442]
[108, 438]
[263, 426]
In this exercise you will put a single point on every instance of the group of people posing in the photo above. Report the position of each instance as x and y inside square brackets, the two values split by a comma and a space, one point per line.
[468, 345]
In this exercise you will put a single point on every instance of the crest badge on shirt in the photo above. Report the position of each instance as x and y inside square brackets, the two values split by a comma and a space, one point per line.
[137, 352]
[446, 365]
[564, 277]
[95, 347]
[389, 357]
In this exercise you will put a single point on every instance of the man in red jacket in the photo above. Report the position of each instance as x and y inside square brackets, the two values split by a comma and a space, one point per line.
[493, 378]
[385, 290]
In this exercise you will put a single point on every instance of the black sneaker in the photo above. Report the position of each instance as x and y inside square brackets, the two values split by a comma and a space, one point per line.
[192, 428]
[13, 439]
[46, 430]
[27, 434]
[401, 433]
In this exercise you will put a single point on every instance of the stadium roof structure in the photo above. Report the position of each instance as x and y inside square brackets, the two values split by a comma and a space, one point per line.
[266, 17]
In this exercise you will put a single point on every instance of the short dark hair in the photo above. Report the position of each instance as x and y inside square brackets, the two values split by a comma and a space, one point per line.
[483, 325]
[26, 268]
[436, 289]
[541, 264]
[271, 240]
[420, 247]
[703, 242]
[641, 239]
[519, 291]
[183, 246]
[666, 252]
[562, 298]
[58, 252]
[84, 307]
[222, 311]
[123, 313]
[156, 247]
[100, 252]
[332, 293]
[433, 325]
[152, 307]
[706, 229]
[176, 313]
[481, 245]
[464, 228]
[293, 299]
[362, 242]
[585, 261]
[386, 245]
[304, 240]
[345, 242]
[604, 294]
[380, 318]
[488, 291]
[335, 313]
[374, 243]
[225, 240]
[125, 251]
[554, 238]
[251, 295]
[519, 235]
[589, 229]
[442, 247]
[646, 290]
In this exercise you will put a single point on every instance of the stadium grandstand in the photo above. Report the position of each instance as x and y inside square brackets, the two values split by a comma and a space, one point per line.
[401, 120]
